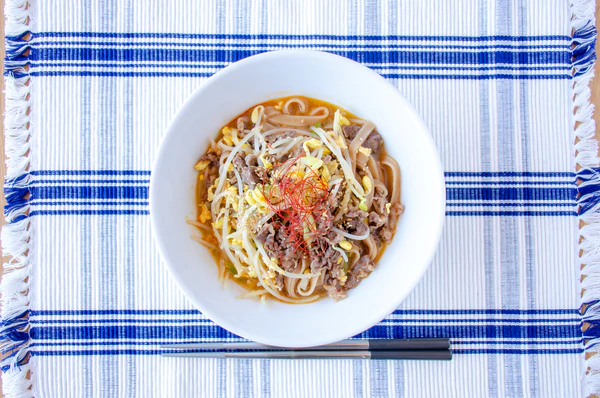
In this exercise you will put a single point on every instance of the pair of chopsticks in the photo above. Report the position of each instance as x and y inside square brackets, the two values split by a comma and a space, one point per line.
[393, 349]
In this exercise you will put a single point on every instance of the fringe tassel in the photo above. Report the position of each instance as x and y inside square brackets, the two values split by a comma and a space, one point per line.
[588, 176]
[14, 303]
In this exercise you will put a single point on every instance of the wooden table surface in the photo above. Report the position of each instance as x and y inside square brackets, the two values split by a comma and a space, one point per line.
[595, 98]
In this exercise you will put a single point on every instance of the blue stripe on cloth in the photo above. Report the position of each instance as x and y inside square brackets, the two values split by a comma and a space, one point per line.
[385, 45]
[87, 172]
[383, 69]
[96, 203]
[49, 73]
[85, 230]
[159, 352]
[529, 344]
[493, 204]
[130, 285]
[387, 55]
[368, 57]
[509, 235]
[521, 193]
[484, 194]
[222, 377]
[484, 111]
[262, 37]
[384, 321]
[529, 228]
[357, 378]
[88, 212]
[518, 351]
[142, 332]
[265, 378]
[39, 181]
[574, 341]
[512, 213]
[115, 196]
[107, 142]
[244, 377]
[462, 182]
[89, 192]
[510, 174]
[130, 247]
[499, 311]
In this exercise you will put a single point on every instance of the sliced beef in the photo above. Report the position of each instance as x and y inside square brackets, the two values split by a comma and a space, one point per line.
[210, 173]
[212, 157]
[334, 238]
[355, 226]
[239, 162]
[251, 175]
[379, 201]
[261, 173]
[355, 212]
[331, 256]
[209, 178]
[291, 264]
[335, 290]
[376, 220]
[324, 260]
[279, 281]
[351, 131]
[324, 222]
[379, 204]
[266, 235]
[335, 200]
[337, 271]
[363, 267]
[275, 137]
[277, 244]
[386, 233]
[251, 159]
[373, 141]
[352, 221]
[241, 124]
[318, 263]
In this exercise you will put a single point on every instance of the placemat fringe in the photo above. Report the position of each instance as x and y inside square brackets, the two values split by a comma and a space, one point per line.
[16, 236]
[586, 157]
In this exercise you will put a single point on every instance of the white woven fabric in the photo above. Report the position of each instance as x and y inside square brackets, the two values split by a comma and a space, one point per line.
[87, 299]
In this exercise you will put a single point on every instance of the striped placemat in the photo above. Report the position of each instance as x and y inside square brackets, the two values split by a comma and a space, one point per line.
[501, 84]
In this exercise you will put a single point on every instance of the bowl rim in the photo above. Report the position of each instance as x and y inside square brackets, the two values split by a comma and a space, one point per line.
[388, 306]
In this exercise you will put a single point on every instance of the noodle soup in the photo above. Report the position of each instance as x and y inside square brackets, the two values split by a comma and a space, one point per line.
[297, 200]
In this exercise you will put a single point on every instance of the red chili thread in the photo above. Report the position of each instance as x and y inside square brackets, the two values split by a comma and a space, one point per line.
[300, 203]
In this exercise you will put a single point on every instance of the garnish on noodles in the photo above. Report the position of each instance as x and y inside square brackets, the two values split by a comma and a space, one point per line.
[297, 200]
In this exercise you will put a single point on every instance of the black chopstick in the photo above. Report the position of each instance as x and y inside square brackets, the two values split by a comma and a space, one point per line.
[439, 355]
[353, 344]
[405, 349]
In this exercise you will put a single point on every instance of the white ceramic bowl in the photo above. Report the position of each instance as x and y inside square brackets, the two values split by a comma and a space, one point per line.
[342, 82]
